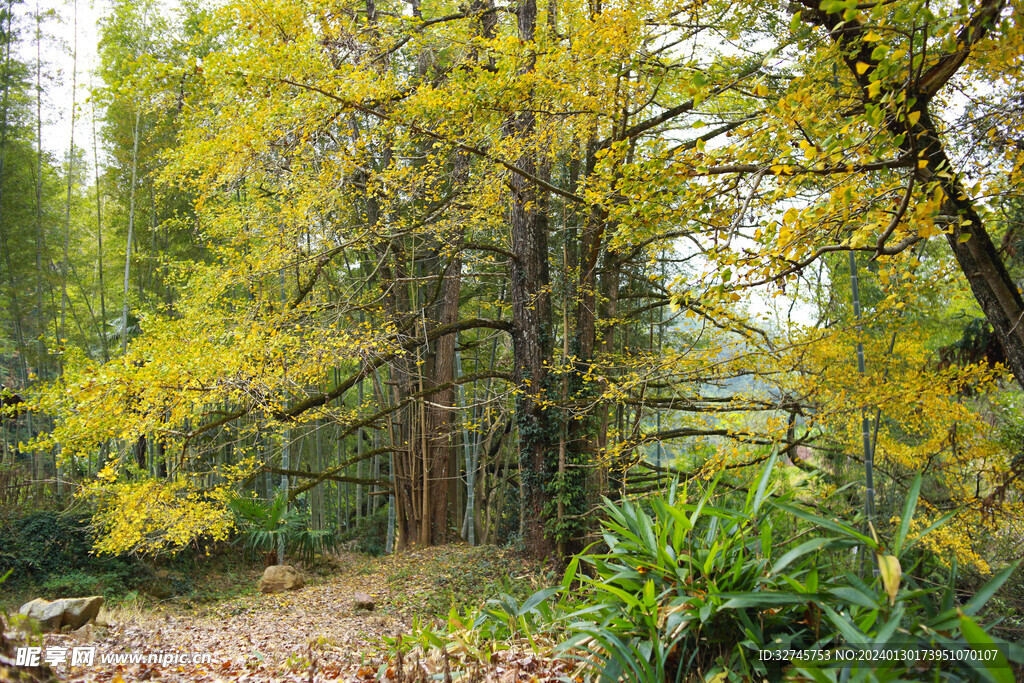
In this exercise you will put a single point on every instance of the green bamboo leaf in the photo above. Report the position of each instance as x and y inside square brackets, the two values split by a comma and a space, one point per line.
[850, 632]
[710, 561]
[986, 592]
[537, 598]
[625, 596]
[797, 552]
[855, 597]
[761, 599]
[816, 675]
[997, 668]
[766, 540]
[908, 514]
[762, 485]
[829, 524]
[570, 571]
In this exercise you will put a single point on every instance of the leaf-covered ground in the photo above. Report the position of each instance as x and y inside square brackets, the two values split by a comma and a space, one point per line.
[316, 633]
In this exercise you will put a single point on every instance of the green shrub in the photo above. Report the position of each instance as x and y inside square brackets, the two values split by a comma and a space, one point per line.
[696, 590]
[692, 587]
[42, 543]
[369, 535]
[74, 584]
[54, 551]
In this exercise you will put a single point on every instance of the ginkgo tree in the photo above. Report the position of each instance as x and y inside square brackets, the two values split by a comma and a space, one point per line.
[425, 223]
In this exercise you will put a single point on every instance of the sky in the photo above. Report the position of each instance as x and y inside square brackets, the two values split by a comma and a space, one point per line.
[59, 40]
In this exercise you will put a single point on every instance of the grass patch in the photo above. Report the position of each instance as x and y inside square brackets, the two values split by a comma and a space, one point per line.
[429, 582]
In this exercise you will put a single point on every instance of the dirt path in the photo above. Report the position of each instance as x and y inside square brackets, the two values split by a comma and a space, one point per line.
[315, 633]
[310, 634]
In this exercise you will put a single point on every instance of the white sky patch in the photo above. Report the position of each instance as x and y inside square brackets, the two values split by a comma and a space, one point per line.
[58, 65]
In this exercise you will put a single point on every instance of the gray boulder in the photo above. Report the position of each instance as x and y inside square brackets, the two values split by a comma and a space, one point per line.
[71, 612]
[280, 577]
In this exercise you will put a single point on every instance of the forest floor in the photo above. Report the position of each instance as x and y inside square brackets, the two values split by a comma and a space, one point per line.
[315, 633]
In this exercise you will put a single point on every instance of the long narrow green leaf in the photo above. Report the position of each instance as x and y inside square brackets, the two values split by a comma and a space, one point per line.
[537, 598]
[996, 666]
[762, 599]
[908, 514]
[799, 551]
[762, 485]
[570, 572]
[830, 524]
[625, 596]
[815, 674]
[855, 597]
[851, 633]
[986, 592]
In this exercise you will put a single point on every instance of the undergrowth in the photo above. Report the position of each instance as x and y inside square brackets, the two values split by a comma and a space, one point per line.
[697, 586]
[430, 582]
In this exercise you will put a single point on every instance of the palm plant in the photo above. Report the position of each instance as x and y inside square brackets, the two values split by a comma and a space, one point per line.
[269, 525]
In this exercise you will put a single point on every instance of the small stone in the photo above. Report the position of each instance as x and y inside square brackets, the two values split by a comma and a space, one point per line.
[86, 634]
[363, 601]
[280, 577]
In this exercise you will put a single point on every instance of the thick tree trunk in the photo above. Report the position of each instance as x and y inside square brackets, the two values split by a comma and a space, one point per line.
[980, 262]
[532, 329]
[440, 407]
[975, 253]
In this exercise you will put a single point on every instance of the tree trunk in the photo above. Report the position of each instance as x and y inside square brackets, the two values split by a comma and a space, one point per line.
[40, 241]
[71, 176]
[977, 256]
[99, 237]
[532, 328]
[131, 229]
[440, 406]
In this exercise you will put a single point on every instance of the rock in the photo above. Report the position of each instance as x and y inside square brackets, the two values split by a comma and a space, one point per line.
[363, 601]
[280, 577]
[11, 670]
[73, 613]
[86, 634]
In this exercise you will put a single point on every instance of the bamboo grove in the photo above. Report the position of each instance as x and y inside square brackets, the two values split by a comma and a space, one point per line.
[481, 264]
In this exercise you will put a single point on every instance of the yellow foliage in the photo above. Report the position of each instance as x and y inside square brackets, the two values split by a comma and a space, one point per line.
[153, 515]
